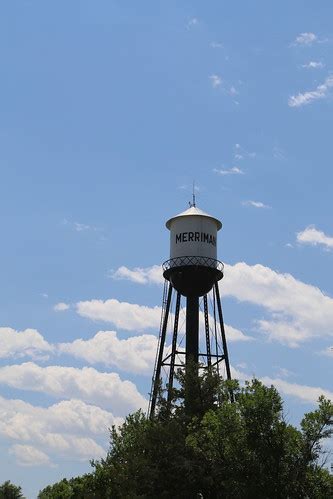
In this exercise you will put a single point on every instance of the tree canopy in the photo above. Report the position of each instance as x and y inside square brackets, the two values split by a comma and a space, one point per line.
[10, 491]
[237, 450]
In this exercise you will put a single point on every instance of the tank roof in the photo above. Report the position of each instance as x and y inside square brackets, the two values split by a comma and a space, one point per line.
[194, 211]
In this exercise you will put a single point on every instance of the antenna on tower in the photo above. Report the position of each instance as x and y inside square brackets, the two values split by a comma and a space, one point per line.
[193, 196]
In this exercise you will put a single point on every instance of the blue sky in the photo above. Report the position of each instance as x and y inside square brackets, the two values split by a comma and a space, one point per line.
[109, 111]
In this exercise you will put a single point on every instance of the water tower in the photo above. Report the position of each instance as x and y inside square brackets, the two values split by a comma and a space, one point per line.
[191, 276]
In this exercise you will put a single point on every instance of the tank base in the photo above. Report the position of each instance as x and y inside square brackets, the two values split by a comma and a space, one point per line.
[193, 280]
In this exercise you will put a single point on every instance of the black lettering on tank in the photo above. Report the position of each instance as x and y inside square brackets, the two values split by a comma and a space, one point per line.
[205, 238]
[178, 238]
[185, 237]
[197, 236]
[191, 236]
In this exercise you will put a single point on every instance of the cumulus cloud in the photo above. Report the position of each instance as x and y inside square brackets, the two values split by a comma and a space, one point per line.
[306, 39]
[132, 355]
[69, 429]
[135, 354]
[61, 307]
[127, 316]
[314, 237]
[216, 80]
[106, 390]
[234, 334]
[140, 275]
[255, 204]
[297, 311]
[230, 171]
[304, 393]
[320, 92]
[27, 343]
[27, 455]
[313, 65]
[130, 317]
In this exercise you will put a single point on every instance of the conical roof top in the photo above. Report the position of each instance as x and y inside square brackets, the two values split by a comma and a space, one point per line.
[194, 211]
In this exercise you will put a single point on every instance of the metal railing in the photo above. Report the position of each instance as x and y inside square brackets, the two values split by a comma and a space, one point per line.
[185, 261]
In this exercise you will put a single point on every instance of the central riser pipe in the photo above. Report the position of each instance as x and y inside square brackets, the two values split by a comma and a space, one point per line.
[192, 356]
[192, 330]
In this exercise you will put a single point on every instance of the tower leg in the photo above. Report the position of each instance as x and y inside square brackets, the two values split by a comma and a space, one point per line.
[173, 350]
[224, 341]
[156, 381]
[209, 358]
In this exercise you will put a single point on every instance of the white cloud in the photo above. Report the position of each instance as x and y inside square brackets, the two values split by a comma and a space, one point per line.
[278, 153]
[135, 354]
[140, 275]
[306, 39]
[230, 171]
[27, 343]
[215, 80]
[27, 455]
[255, 204]
[284, 373]
[127, 316]
[69, 429]
[298, 311]
[60, 307]
[314, 237]
[192, 22]
[216, 45]
[233, 334]
[81, 227]
[132, 355]
[304, 393]
[320, 92]
[240, 153]
[313, 65]
[99, 388]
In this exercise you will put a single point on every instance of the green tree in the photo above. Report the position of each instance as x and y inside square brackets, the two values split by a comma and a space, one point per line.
[10, 491]
[243, 449]
[232, 450]
[82, 487]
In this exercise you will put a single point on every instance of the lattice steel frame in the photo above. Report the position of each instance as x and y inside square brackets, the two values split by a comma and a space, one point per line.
[214, 353]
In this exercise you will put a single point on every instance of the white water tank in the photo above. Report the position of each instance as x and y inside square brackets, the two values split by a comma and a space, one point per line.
[193, 233]
[193, 266]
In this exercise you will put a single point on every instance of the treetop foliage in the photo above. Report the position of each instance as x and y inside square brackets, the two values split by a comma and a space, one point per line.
[230, 450]
[10, 491]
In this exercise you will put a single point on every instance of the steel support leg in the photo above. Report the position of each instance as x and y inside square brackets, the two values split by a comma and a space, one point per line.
[173, 350]
[160, 353]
